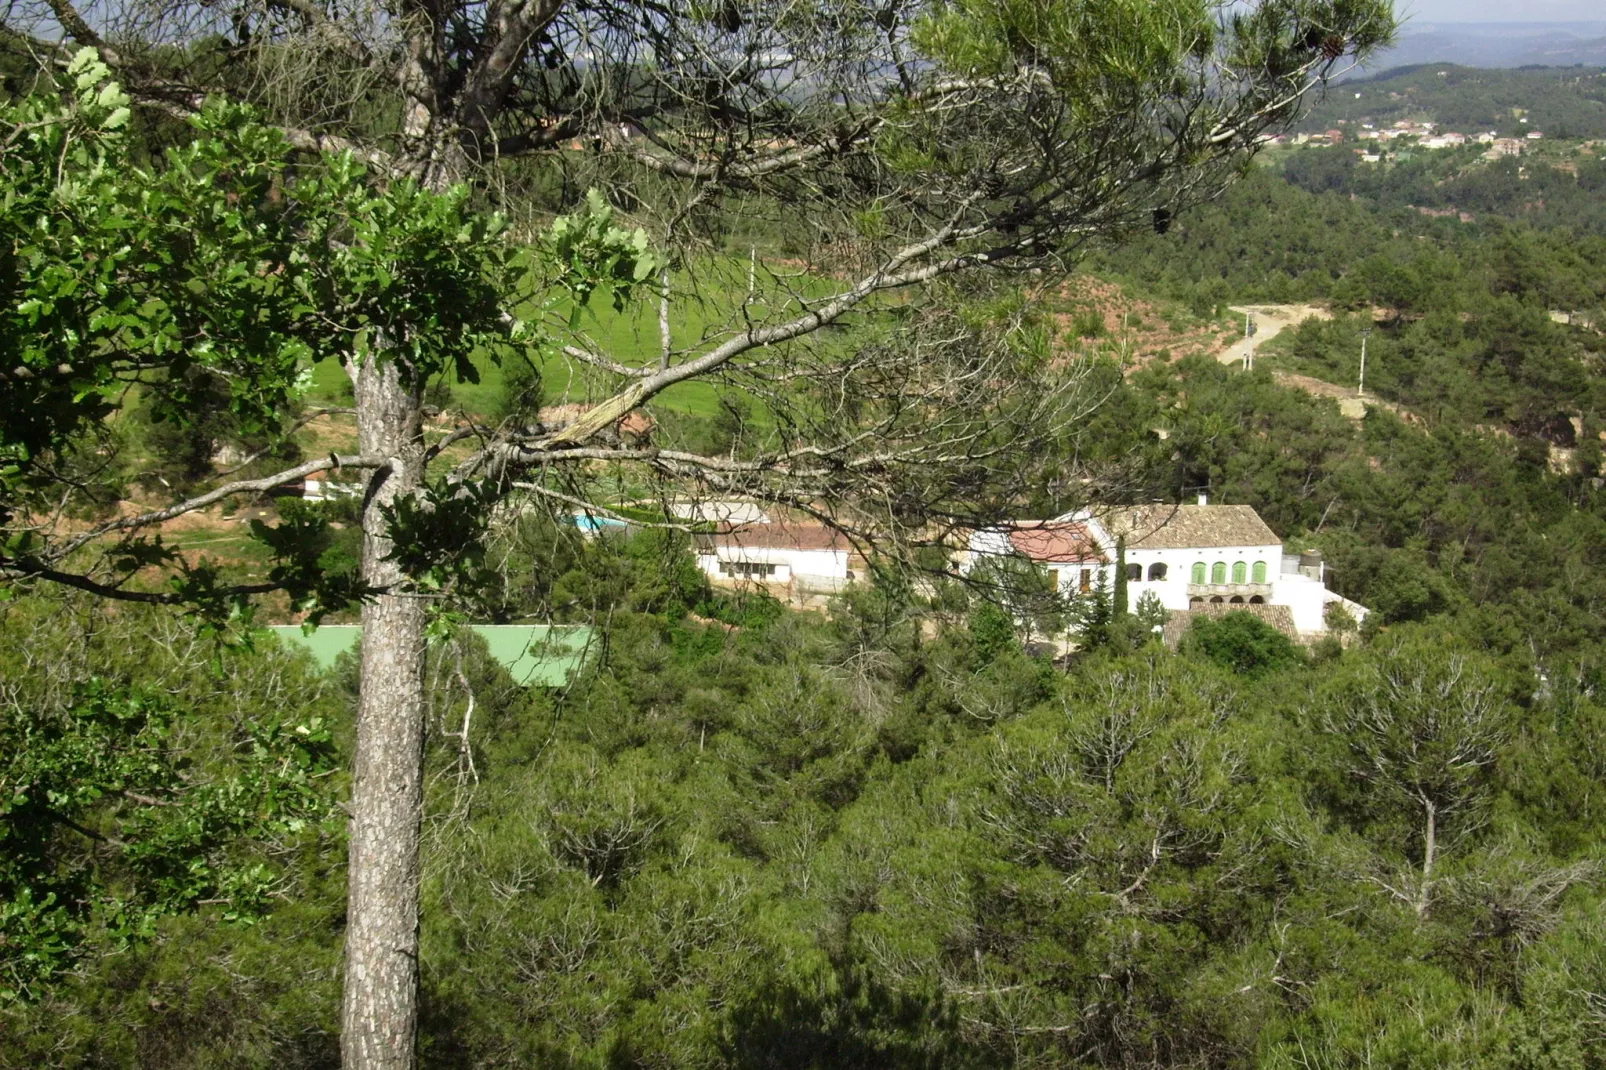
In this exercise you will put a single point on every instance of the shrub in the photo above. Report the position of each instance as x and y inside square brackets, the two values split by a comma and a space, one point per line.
[1243, 643]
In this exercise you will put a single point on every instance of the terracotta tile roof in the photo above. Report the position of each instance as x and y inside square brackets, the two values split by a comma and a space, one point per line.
[1177, 527]
[778, 536]
[1055, 541]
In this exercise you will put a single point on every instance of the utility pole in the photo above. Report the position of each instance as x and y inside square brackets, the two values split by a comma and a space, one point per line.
[1361, 390]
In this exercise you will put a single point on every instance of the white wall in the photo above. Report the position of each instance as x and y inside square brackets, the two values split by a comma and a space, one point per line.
[821, 564]
[1307, 599]
[1173, 590]
[992, 541]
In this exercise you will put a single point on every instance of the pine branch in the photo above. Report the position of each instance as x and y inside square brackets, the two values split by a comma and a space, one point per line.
[228, 490]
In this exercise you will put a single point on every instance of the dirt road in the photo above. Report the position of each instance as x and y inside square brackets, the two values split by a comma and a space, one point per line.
[1270, 320]
[1348, 403]
[1269, 323]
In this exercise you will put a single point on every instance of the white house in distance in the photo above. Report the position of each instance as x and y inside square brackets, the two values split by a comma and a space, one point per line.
[807, 557]
[1195, 558]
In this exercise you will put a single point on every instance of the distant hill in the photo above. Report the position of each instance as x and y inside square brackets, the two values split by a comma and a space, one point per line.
[1560, 101]
[1497, 44]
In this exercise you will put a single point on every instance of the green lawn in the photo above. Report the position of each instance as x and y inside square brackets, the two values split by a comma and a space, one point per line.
[630, 337]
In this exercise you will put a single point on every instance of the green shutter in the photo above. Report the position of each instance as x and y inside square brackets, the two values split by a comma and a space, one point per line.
[1259, 572]
[1198, 572]
[1218, 572]
[1240, 572]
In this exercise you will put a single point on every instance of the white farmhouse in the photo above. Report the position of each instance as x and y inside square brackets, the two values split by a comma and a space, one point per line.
[809, 556]
[1203, 558]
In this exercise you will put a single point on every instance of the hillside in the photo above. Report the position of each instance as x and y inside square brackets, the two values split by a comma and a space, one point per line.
[1560, 101]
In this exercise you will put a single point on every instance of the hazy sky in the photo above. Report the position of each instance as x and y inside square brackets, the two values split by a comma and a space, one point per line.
[1503, 10]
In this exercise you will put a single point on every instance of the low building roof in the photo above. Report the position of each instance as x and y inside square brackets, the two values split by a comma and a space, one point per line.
[1180, 527]
[1055, 541]
[543, 655]
[775, 536]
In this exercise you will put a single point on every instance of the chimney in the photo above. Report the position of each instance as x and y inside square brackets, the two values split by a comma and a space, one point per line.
[1204, 499]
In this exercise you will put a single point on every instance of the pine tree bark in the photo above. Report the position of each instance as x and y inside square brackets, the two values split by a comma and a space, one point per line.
[379, 1014]
[1430, 846]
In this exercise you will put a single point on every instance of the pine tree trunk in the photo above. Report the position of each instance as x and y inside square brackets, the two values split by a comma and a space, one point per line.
[1430, 845]
[380, 1010]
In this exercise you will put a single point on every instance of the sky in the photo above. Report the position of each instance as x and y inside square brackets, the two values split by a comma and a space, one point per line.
[1503, 10]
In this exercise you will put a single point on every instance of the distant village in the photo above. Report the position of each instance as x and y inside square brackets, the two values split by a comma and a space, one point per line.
[1372, 142]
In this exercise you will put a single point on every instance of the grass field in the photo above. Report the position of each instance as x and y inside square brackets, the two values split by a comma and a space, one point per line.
[700, 305]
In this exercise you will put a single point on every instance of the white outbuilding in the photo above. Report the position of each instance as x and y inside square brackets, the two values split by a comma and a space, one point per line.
[806, 556]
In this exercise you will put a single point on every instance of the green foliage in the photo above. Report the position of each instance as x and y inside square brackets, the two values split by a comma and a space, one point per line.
[1023, 592]
[1421, 724]
[887, 837]
[1091, 614]
[318, 570]
[115, 815]
[544, 569]
[219, 275]
[181, 454]
[418, 277]
[522, 390]
[992, 633]
[439, 533]
[107, 265]
[1561, 101]
[1242, 643]
[592, 254]
[852, 839]
[1151, 612]
[1119, 604]
[1088, 324]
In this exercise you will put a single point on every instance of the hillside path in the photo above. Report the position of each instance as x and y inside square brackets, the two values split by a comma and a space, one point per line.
[1269, 323]
[1348, 404]
[1270, 320]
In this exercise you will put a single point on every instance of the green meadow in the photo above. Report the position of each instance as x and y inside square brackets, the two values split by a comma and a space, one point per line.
[703, 307]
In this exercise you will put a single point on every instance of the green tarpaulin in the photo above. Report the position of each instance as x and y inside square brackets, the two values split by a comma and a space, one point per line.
[534, 654]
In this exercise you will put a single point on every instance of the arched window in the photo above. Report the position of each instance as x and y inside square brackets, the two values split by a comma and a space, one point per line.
[1236, 600]
[1259, 572]
[1240, 572]
[1218, 572]
[1195, 601]
[1156, 572]
[1198, 572]
[1216, 601]
[1256, 600]
[1134, 573]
